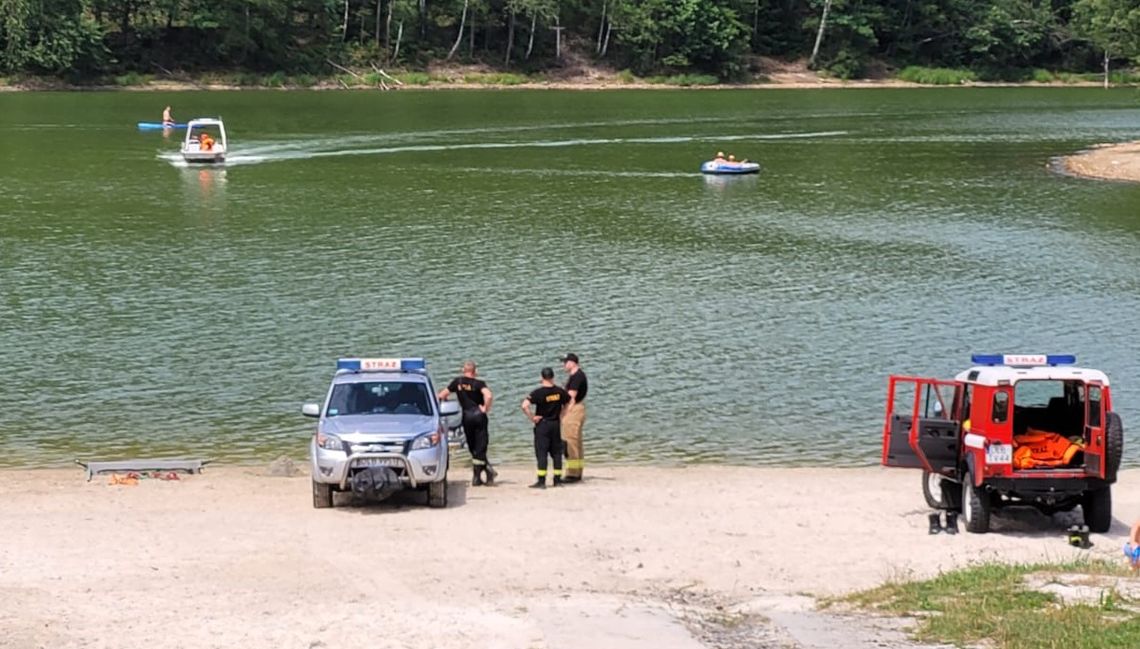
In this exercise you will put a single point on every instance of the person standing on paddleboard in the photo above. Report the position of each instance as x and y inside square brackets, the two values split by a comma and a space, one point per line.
[167, 120]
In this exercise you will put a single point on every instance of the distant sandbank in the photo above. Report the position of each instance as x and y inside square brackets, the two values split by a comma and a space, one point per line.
[1119, 161]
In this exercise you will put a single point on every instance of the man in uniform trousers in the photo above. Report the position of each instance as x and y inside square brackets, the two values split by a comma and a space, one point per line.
[575, 418]
[475, 400]
[549, 401]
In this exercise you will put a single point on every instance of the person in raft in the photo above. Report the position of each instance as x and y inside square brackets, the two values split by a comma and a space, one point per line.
[167, 120]
[205, 142]
[719, 157]
[1132, 547]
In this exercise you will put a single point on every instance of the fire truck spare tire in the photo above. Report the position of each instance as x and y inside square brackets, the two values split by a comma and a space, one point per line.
[976, 506]
[1097, 507]
[941, 493]
[1114, 446]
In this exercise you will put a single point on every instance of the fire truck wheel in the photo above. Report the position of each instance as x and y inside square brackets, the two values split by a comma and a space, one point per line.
[975, 506]
[1114, 446]
[941, 493]
[322, 495]
[1097, 507]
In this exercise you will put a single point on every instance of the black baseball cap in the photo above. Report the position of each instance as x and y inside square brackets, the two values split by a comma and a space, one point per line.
[547, 373]
[569, 357]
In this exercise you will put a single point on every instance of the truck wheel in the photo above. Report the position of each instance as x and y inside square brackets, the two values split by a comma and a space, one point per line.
[437, 493]
[322, 495]
[1097, 507]
[941, 493]
[975, 506]
[1114, 446]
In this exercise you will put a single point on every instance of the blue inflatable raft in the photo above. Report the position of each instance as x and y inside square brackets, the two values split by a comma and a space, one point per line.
[157, 126]
[729, 168]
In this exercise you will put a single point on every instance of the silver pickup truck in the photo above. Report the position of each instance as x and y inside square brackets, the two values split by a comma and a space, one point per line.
[381, 430]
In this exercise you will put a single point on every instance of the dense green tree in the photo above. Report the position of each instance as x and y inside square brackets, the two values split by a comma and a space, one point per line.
[85, 38]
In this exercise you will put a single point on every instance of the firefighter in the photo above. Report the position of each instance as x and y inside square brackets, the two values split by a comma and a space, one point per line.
[577, 386]
[475, 401]
[550, 402]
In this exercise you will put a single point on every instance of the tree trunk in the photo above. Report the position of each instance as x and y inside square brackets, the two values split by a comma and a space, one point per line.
[606, 43]
[344, 27]
[602, 28]
[423, 18]
[399, 35]
[388, 31]
[755, 22]
[471, 39]
[379, 11]
[819, 34]
[530, 41]
[1106, 69]
[459, 36]
[510, 38]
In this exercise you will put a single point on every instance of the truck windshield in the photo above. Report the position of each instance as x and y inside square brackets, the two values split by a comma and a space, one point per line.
[379, 397]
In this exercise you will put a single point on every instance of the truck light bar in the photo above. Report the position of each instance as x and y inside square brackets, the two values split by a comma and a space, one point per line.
[381, 364]
[1023, 360]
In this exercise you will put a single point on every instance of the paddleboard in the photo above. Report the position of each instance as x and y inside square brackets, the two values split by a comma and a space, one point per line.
[157, 126]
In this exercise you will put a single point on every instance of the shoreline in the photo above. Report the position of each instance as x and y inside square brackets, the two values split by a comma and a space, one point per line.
[1114, 161]
[237, 555]
[775, 82]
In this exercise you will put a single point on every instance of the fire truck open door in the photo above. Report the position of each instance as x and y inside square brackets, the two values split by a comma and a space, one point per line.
[1094, 428]
[922, 428]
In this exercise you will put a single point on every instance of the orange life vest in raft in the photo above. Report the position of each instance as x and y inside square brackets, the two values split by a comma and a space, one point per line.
[1039, 448]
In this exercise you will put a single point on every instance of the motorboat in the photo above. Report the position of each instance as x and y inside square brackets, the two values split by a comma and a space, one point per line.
[729, 167]
[205, 141]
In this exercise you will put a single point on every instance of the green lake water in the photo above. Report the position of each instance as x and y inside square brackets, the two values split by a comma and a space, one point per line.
[149, 309]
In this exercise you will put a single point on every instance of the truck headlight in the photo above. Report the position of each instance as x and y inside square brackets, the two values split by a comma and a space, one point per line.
[427, 440]
[329, 442]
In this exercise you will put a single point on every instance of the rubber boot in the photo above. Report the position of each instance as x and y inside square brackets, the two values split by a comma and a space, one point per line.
[476, 476]
[539, 484]
[935, 523]
[491, 475]
[557, 481]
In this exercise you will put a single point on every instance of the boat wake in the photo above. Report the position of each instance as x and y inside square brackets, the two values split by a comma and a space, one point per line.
[262, 152]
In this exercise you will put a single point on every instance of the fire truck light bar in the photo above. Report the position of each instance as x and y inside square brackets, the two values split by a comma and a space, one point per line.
[1023, 360]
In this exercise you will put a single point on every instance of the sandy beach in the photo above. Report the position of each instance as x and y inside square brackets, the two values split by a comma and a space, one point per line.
[1108, 162]
[633, 557]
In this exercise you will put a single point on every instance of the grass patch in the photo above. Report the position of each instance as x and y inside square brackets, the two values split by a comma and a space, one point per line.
[625, 76]
[496, 79]
[414, 78]
[937, 76]
[132, 79]
[992, 603]
[685, 80]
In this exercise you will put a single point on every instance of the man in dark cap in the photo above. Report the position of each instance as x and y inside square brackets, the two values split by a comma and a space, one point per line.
[549, 403]
[576, 386]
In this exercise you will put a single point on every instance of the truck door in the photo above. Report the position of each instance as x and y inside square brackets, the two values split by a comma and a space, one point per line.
[1094, 428]
[920, 430]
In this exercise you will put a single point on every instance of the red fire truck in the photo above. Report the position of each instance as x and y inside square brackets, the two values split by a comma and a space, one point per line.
[1014, 429]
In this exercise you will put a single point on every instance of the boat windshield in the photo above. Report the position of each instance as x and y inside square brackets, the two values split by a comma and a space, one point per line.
[379, 397]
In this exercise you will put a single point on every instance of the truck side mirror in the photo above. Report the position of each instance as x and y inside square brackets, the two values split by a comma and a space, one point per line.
[448, 408]
[311, 410]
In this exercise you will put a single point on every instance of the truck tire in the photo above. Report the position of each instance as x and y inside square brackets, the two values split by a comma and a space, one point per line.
[322, 495]
[941, 493]
[1114, 446]
[976, 506]
[1097, 508]
[437, 493]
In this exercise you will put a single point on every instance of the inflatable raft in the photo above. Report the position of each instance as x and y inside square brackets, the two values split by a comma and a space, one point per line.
[729, 168]
[157, 126]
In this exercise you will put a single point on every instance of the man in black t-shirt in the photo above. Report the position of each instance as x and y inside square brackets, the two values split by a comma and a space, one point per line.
[475, 400]
[549, 402]
[577, 386]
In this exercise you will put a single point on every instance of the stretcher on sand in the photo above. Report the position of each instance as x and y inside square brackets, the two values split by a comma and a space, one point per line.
[140, 465]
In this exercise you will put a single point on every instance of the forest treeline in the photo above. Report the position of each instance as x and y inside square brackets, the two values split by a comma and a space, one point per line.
[83, 39]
